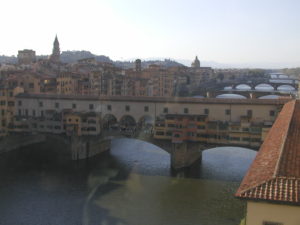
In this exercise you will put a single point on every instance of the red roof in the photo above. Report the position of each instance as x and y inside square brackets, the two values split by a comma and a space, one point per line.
[275, 172]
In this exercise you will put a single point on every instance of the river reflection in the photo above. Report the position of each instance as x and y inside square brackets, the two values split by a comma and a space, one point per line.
[131, 184]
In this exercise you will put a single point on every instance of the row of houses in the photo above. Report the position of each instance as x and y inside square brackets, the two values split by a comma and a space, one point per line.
[220, 121]
[198, 128]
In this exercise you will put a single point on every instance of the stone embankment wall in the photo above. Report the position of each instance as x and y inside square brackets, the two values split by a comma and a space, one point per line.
[74, 148]
[14, 142]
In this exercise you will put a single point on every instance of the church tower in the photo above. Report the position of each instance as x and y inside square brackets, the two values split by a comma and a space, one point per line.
[55, 57]
[196, 63]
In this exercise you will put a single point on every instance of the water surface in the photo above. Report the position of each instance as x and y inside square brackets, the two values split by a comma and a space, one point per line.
[132, 184]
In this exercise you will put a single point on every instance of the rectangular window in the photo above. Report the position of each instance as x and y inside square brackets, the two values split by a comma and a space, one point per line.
[91, 106]
[212, 126]
[206, 111]
[186, 110]
[19, 103]
[166, 110]
[74, 106]
[191, 134]
[234, 138]
[249, 112]
[200, 119]
[177, 135]
[2, 112]
[41, 104]
[171, 125]
[160, 133]
[57, 105]
[245, 129]
[19, 112]
[26, 112]
[33, 112]
[256, 139]
[246, 139]
[109, 107]
[127, 108]
[42, 113]
[227, 111]
[146, 108]
[272, 113]
[169, 133]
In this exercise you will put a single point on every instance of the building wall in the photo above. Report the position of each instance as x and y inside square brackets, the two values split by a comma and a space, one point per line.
[67, 84]
[7, 107]
[216, 112]
[26, 56]
[258, 212]
[224, 123]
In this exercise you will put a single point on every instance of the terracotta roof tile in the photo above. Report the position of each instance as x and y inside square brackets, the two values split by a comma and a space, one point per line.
[275, 172]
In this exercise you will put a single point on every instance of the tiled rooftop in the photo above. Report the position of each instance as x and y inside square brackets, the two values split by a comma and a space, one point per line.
[275, 172]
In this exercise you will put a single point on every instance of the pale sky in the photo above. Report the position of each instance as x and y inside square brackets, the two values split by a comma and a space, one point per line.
[224, 31]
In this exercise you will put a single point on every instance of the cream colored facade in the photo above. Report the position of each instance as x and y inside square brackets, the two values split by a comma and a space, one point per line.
[258, 213]
[236, 122]
[118, 107]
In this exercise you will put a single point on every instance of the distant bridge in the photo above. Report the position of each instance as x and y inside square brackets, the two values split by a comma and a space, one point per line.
[250, 94]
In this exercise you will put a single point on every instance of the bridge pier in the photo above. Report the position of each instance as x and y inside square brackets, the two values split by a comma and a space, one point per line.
[185, 154]
[85, 147]
[182, 155]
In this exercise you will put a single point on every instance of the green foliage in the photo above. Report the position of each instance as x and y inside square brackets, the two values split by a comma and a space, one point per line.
[243, 221]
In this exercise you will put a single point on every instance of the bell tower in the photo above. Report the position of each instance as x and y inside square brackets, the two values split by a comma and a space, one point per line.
[55, 57]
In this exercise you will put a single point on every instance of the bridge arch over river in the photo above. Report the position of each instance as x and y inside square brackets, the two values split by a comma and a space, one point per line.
[270, 86]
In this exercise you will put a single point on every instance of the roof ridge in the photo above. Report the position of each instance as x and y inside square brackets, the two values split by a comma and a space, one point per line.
[276, 171]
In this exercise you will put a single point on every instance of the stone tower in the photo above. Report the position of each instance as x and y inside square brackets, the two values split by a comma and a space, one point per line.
[196, 63]
[55, 57]
[138, 65]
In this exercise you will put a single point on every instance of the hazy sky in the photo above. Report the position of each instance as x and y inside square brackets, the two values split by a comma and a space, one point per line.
[225, 31]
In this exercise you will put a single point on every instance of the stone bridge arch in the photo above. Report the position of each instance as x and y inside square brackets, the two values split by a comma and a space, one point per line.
[145, 120]
[233, 95]
[108, 121]
[127, 121]
[281, 87]
[236, 86]
[269, 97]
[268, 86]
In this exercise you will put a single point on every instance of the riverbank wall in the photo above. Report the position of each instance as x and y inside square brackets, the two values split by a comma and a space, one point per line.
[13, 142]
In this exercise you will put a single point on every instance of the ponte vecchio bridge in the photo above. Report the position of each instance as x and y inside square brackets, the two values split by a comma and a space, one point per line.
[182, 126]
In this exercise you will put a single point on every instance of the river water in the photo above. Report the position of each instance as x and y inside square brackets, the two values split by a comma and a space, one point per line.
[131, 184]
